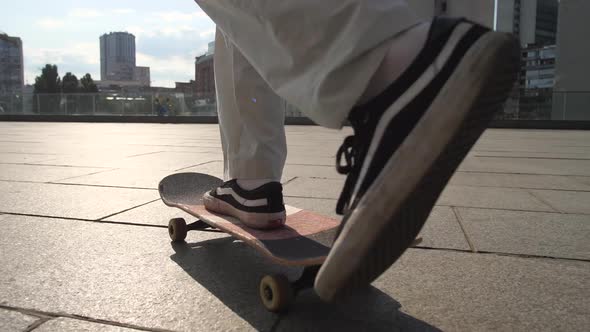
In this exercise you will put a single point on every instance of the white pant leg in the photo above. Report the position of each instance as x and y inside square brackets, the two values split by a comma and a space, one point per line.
[317, 54]
[251, 117]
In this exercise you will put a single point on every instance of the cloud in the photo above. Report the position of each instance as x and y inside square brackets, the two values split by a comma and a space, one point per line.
[51, 23]
[85, 13]
[123, 11]
[79, 58]
[209, 34]
[176, 16]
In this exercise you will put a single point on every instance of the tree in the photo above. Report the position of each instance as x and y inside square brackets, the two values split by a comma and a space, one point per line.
[49, 81]
[70, 83]
[88, 85]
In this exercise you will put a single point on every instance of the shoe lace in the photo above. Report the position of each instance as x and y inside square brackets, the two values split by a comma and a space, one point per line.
[348, 150]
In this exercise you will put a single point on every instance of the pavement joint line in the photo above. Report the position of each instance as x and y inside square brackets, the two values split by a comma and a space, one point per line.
[32, 153]
[77, 184]
[2, 141]
[176, 146]
[94, 173]
[201, 164]
[459, 219]
[96, 185]
[131, 208]
[51, 165]
[523, 188]
[36, 324]
[311, 197]
[47, 315]
[125, 223]
[544, 201]
[143, 154]
[515, 210]
[521, 173]
[290, 180]
[547, 158]
[504, 254]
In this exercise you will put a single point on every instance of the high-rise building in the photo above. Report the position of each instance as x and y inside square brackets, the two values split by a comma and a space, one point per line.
[572, 72]
[532, 21]
[11, 65]
[142, 75]
[211, 48]
[205, 77]
[117, 56]
[480, 11]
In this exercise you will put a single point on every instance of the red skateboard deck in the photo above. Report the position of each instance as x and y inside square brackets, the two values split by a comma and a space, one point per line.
[305, 240]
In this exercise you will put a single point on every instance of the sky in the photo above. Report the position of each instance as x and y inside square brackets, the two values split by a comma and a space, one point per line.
[169, 34]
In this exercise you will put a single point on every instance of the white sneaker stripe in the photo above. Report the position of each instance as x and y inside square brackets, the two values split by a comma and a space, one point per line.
[409, 95]
[242, 200]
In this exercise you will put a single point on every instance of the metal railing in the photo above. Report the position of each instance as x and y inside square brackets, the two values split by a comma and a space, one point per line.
[522, 105]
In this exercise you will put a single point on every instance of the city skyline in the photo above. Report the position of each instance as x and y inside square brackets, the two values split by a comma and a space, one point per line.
[169, 35]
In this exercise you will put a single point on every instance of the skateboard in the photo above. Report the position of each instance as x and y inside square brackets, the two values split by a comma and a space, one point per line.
[304, 241]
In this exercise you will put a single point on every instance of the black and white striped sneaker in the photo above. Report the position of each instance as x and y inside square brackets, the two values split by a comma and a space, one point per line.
[407, 143]
[261, 208]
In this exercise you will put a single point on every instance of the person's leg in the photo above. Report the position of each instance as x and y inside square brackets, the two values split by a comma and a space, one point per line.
[421, 112]
[318, 55]
[251, 118]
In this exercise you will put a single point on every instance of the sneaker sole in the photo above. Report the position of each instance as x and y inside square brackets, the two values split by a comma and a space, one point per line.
[383, 226]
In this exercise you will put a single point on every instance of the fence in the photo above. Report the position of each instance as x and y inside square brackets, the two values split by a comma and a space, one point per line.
[523, 105]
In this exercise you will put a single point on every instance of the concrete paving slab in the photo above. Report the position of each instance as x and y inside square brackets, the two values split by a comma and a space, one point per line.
[102, 160]
[20, 158]
[442, 230]
[132, 275]
[526, 181]
[310, 160]
[156, 161]
[583, 179]
[155, 213]
[69, 201]
[494, 198]
[169, 160]
[13, 321]
[528, 233]
[533, 154]
[457, 291]
[214, 168]
[36, 173]
[371, 310]
[314, 188]
[566, 201]
[74, 325]
[526, 166]
[319, 205]
[311, 171]
[129, 178]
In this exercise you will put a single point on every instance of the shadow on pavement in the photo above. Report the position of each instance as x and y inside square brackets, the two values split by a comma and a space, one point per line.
[231, 271]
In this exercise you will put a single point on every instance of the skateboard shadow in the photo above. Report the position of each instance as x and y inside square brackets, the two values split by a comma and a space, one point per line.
[231, 271]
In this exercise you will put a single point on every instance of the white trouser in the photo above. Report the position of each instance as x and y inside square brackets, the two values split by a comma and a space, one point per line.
[251, 117]
[317, 55]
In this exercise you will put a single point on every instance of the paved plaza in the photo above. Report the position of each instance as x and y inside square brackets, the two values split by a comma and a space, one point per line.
[84, 244]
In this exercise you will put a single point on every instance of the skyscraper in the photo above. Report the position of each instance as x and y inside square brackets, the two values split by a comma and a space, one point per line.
[11, 65]
[117, 56]
[532, 21]
[572, 82]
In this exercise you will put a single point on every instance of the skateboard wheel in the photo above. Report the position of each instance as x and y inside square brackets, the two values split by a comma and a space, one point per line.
[276, 292]
[177, 229]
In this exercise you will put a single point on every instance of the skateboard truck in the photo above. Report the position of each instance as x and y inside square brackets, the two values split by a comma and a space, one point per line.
[275, 290]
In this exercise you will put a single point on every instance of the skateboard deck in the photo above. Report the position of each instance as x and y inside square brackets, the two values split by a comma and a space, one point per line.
[305, 240]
